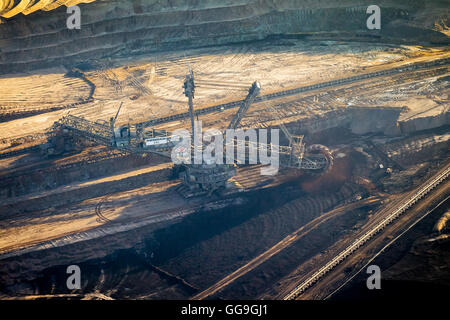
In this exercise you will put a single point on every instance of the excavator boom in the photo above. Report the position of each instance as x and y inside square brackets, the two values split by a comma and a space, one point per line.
[253, 92]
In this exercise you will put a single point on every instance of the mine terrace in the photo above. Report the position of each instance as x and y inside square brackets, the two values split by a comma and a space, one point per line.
[88, 127]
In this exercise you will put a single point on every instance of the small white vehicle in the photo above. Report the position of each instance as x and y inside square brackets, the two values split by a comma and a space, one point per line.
[161, 141]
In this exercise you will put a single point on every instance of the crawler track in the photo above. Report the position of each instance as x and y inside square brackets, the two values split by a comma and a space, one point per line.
[98, 210]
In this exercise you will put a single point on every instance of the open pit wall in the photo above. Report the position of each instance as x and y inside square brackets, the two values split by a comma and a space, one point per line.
[425, 123]
[11, 8]
[48, 176]
[365, 120]
[359, 120]
[116, 27]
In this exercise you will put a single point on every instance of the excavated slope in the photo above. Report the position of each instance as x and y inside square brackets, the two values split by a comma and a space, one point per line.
[119, 27]
[11, 8]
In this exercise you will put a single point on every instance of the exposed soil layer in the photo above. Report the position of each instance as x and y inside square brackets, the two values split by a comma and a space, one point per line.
[132, 27]
[135, 53]
[415, 267]
[46, 175]
[265, 276]
[182, 249]
[181, 258]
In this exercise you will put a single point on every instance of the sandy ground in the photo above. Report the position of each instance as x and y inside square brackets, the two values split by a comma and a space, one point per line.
[26, 229]
[158, 200]
[423, 98]
[80, 185]
[151, 86]
[49, 87]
